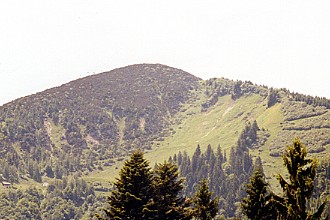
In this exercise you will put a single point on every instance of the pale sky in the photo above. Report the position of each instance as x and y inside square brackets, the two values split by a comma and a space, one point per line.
[279, 43]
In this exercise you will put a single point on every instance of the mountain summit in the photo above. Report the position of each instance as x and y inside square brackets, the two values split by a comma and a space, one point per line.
[107, 113]
[88, 126]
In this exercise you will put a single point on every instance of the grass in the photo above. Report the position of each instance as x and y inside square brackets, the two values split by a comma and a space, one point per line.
[56, 133]
[23, 185]
[221, 124]
[270, 119]
[104, 177]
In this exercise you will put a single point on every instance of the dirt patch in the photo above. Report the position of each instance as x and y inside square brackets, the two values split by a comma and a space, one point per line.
[227, 110]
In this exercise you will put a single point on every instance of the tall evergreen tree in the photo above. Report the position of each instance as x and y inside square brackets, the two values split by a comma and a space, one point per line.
[258, 165]
[168, 201]
[256, 206]
[205, 207]
[132, 196]
[299, 190]
[196, 158]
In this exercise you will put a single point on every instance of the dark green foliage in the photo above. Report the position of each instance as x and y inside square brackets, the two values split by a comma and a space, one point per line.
[49, 172]
[61, 199]
[206, 208]
[169, 202]
[298, 191]
[249, 137]
[310, 100]
[272, 98]
[258, 165]
[216, 88]
[75, 124]
[88, 123]
[237, 91]
[240, 159]
[134, 191]
[322, 180]
[257, 205]
[142, 194]
[226, 178]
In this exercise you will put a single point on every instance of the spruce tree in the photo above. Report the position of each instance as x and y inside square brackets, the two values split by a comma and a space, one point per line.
[168, 201]
[256, 206]
[132, 196]
[299, 190]
[205, 207]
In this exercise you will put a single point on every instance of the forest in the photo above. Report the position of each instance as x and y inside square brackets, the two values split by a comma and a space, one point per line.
[160, 193]
[207, 186]
[62, 149]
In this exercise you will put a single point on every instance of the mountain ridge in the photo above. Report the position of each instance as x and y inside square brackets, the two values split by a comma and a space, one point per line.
[136, 90]
[107, 109]
[87, 127]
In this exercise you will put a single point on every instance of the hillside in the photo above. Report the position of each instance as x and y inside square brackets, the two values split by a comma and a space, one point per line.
[85, 128]
[96, 118]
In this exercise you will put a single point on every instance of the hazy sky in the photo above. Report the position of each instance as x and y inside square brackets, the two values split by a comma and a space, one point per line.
[279, 43]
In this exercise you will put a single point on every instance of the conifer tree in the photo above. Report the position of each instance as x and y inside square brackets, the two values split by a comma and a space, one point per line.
[256, 206]
[168, 201]
[132, 196]
[196, 158]
[258, 165]
[205, 207]
[299, 190]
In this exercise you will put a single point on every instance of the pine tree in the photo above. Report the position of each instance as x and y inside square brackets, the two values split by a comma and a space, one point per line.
[196, 158]
[49, 171]
[256, 206]
[299, 190]
[205, 207]
[258, 165]
[132, 196]
[168, 201]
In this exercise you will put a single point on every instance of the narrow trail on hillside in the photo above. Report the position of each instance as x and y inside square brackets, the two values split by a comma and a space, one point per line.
[231, 106]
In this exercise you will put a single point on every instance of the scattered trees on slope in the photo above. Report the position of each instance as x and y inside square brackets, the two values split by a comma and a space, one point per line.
[70, 198]
[227, 177]
[141, 193]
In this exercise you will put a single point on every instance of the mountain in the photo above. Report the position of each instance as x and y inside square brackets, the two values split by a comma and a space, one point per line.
[98, 117]
[87, 126]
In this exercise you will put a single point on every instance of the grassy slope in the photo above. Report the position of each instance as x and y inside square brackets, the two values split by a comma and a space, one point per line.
[270, 119]
[222, 124]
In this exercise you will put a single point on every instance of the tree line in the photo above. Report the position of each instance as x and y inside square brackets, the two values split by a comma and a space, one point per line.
[227, 175]
[144, 193]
